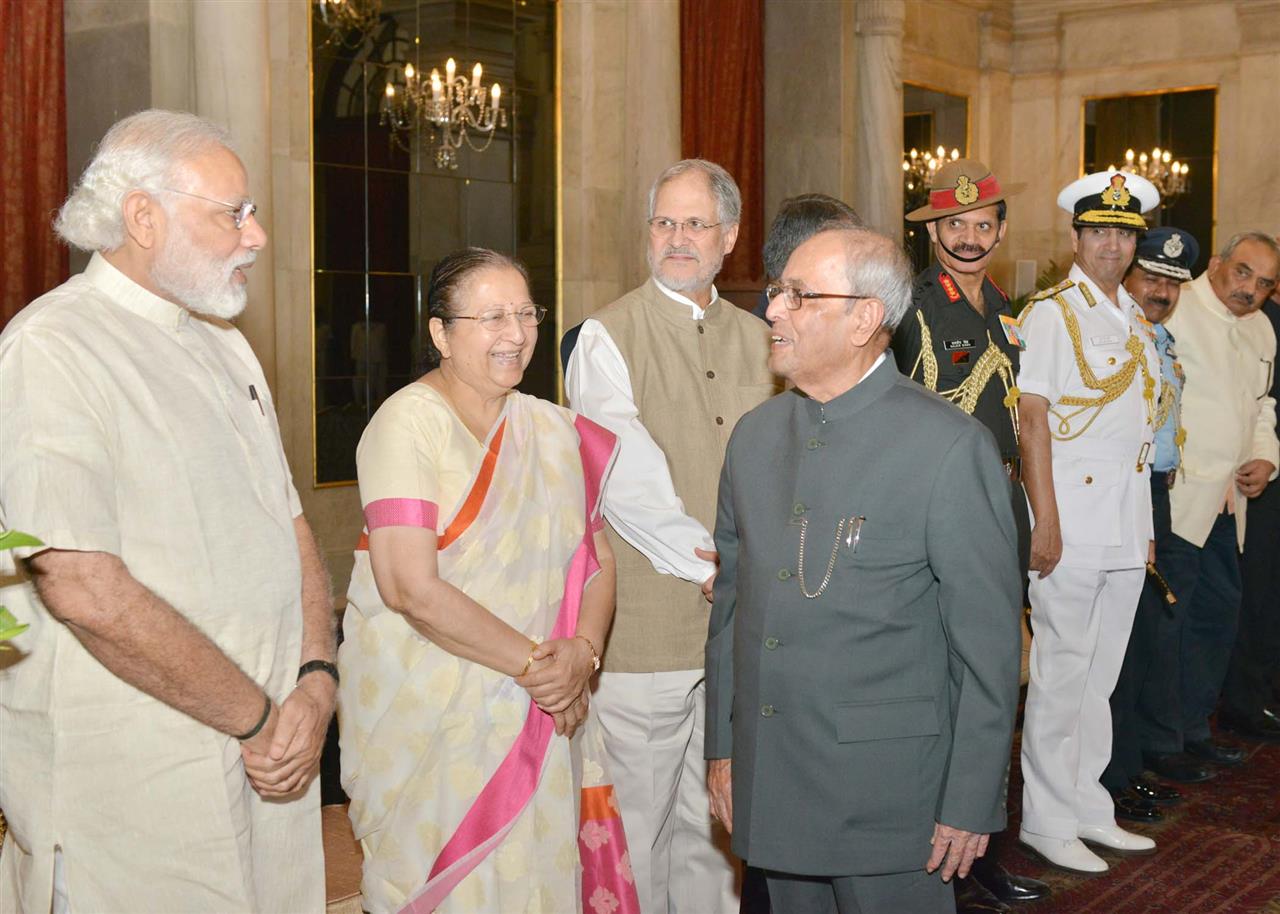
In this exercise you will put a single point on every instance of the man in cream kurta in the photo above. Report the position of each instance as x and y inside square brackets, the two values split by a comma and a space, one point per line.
[178, 590]
[669, 368]
[1228, 350]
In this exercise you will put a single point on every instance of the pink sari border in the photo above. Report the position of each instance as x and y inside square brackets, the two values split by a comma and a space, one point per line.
[400, 512]
[509, 790]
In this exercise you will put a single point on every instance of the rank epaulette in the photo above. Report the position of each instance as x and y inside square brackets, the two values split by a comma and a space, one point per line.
[1052, 291]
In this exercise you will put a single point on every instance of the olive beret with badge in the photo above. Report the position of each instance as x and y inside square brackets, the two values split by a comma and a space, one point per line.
[1168, 251]
[1110, 198]
[960, 186]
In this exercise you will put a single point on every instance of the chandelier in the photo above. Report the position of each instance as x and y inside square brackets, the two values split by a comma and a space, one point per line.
[918, 170]
[1160, 168]
[349, 21]
[451, 111]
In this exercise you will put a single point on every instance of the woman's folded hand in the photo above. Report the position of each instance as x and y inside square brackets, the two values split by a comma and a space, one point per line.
[554, 685]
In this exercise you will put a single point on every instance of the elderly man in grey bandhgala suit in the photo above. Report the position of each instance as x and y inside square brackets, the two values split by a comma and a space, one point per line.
[862, 659]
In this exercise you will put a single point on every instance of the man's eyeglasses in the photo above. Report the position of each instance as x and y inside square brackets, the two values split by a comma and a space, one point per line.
[239, 212]
[793, 297]
[528, 316]
[662, 227]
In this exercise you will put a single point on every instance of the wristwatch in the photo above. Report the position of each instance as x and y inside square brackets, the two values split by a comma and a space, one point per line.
[312, 666]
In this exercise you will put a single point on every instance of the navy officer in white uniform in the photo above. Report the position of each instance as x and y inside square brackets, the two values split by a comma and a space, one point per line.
[1088, 382]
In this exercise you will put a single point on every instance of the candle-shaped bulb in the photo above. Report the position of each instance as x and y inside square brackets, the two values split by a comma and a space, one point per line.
[435, 86]
[941, 152]
[449, 68]
[906, 166]
[1155, 153]
[955, 154]
[1166, 156]
[496, 92]
[1142, 159]
[475, 76]
[1128, 155]
[391, 91]
[915, 153]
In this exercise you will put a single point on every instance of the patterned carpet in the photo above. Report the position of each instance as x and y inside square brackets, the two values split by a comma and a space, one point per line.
[1218, 852]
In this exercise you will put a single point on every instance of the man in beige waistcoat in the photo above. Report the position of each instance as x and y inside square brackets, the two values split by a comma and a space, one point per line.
[162, 718]
[669, 367]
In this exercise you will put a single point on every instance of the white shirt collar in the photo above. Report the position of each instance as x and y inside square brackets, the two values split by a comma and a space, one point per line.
[126, 293]
[1124, 304]
[698, 313]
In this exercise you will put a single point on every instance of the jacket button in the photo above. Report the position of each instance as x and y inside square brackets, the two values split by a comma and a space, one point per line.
[798, 509]
[1111, 361]
[1088, 480]
[784, 574]
[719, 420]
[701, 329]
[813, 444]
[711, 374]
[771, 643]
[766, 711]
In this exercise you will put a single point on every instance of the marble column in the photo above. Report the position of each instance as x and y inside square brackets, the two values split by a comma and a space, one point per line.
[232, 77]
[878, 145]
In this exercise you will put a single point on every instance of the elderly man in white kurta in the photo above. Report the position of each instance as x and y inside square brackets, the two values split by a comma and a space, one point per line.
[163, 716]
[1088, 380]
[1228, 350]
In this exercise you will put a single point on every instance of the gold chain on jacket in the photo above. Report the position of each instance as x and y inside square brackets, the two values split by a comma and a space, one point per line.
[1110, 388]
[965, 395]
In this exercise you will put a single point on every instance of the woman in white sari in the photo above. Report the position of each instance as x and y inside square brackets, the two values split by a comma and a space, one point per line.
[481, 596]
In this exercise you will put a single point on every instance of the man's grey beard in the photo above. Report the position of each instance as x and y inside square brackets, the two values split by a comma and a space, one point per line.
[701, 280]
[198, 281]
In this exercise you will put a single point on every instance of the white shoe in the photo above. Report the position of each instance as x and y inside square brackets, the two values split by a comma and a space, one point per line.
[1117, 840]
[1071, 855]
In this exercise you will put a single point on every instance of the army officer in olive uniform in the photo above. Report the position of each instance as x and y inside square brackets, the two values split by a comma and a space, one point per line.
[862, 658]
[953, 340]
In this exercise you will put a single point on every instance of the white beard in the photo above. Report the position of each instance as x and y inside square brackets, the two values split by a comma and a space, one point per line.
[201, 283]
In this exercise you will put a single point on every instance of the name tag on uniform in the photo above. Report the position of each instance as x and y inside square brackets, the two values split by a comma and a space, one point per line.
[1012, 331]
[953, 345]
[1104, 340]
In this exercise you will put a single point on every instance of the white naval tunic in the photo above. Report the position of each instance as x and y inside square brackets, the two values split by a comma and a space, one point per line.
[128, 426]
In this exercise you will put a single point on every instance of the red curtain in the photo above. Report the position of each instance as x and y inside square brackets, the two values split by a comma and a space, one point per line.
[722, 112]
[33, 151]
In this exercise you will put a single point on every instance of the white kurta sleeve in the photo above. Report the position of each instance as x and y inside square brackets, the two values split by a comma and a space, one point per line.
[1265, 446]
[57, 476]
[640, 500]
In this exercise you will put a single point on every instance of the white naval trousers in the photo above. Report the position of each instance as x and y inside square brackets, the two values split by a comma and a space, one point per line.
[1081, 618]
[653, 732]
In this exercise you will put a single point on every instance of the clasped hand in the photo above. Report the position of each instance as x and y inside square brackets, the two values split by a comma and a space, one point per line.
[557, 681]
[285, 755]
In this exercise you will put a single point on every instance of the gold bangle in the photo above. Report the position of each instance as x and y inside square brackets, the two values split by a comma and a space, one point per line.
[595, 656]
[533, 646]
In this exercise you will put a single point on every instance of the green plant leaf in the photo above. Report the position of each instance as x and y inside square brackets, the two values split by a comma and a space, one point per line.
[9, 627]
[12, 539]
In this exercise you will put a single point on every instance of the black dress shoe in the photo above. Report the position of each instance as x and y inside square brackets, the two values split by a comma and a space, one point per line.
[972, 898]
[1154, 791]
[1218, 753]
[1004, 885]
[1177, 766]
[1133, 808]
[1263, 730]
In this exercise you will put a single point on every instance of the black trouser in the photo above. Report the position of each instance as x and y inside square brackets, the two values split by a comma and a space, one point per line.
[1150, 676]
[1256, 657]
